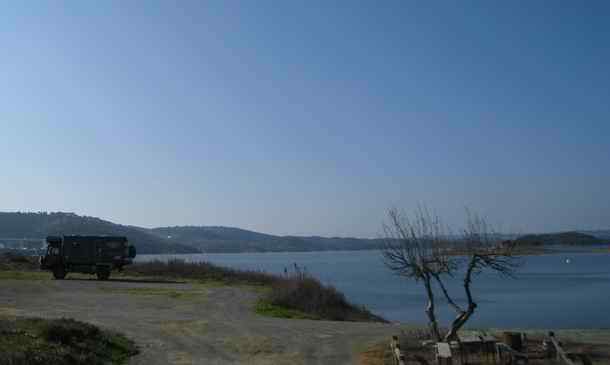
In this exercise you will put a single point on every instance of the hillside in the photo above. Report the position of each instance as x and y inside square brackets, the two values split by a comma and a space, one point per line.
[214, 239]
[40, 225]
[603, 234]
[563, 238]
[227, 239]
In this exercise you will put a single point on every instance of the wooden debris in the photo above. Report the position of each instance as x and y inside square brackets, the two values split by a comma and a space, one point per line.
[397, 355]
[443, 353]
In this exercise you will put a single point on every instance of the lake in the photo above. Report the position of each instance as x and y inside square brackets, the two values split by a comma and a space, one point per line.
[564, 290]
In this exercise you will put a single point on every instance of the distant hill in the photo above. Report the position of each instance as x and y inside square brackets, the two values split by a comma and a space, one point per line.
[603, 234]
[213, 239]
[227, 239]
[40, 225]
[563, 238]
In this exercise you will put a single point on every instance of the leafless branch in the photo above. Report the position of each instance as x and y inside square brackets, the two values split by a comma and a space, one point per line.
[421, 249]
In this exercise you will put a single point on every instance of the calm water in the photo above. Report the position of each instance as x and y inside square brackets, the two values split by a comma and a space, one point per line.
[548, 293]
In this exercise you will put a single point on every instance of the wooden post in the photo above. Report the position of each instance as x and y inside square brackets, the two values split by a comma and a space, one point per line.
[443, 353]
[397, 355]
[561, 354]
[514, 340]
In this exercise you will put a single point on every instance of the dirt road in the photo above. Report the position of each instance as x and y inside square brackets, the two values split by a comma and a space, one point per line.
[181, 323]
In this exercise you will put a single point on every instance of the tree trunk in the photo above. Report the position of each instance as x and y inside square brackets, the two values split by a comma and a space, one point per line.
[462, 318]
[430, 310]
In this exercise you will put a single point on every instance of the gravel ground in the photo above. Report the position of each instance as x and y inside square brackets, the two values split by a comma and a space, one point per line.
[182, 323]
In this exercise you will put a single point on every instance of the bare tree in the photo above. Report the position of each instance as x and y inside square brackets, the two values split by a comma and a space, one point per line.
[422, 249]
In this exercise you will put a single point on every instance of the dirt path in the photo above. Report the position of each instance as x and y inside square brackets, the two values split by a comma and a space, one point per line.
[178, 323]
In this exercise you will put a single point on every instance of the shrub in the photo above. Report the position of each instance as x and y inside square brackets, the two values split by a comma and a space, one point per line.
[302, 292]
[69, 332]
[15, 261]
[60, 341]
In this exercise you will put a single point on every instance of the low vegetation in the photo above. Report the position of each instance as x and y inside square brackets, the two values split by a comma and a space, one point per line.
[199, 271]
[306, 296]
[14, 262]
[265, 308]
[60, 341]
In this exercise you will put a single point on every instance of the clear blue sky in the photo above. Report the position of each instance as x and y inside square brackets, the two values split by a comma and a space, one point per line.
[304, 117]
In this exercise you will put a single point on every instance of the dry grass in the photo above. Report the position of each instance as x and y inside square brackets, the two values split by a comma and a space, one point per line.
[376, 355]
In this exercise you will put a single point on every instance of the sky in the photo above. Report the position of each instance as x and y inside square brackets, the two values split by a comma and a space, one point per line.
[307, 117]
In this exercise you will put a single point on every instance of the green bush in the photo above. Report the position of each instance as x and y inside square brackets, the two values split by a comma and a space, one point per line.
[60, 341]
[69, 332]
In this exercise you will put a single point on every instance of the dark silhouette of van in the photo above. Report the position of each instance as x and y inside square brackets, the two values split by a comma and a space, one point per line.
[86, 254]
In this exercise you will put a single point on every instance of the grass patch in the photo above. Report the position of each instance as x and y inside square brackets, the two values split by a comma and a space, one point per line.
[265, 308]
[189, 328]
[61, 341]
[251, 345]
[24, 275]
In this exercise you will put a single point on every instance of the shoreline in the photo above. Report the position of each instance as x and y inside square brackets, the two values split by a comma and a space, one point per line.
[214, 321]
[522, 251]
[534, 251]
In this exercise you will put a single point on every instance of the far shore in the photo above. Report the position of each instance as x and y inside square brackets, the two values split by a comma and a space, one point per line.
[522, 251]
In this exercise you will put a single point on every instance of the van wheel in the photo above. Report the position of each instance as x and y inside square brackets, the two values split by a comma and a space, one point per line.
[103, 274]
[59, 272]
